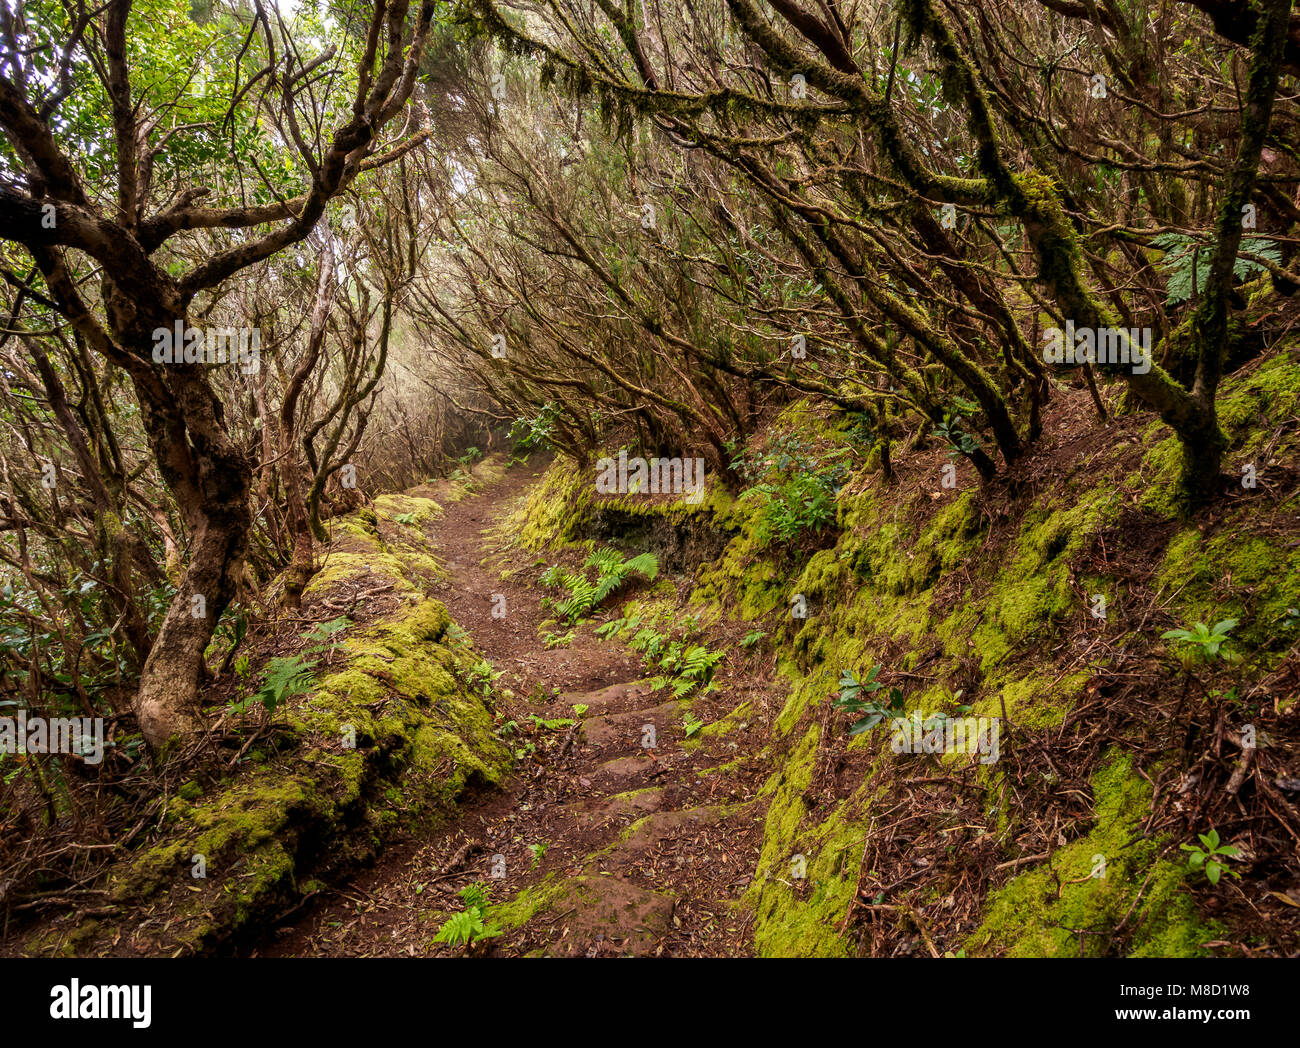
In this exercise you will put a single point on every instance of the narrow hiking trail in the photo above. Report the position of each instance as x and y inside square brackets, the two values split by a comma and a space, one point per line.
[598, 845]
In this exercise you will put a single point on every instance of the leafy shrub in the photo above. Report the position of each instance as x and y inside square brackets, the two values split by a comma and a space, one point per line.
[535, 432]
[868, 711]
[955, 429]
[795, 486]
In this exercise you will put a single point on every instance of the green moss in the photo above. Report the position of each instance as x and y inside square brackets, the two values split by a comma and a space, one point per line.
[1063, 908]
[731, 722]
[1235, 574]
[1034, 589]
[1257, 403]
[238, 823]
[550, 513]
[793, 919]
[1159, 478]
[528, 902]
[421, 510]
[1035, 702]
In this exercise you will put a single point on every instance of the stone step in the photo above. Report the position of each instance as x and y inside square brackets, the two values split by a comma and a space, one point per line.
[607, 917]
[627, 729]
[610, 699]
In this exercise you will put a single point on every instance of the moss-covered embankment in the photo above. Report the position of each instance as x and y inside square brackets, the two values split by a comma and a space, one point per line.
[390, 736]
[985, 602]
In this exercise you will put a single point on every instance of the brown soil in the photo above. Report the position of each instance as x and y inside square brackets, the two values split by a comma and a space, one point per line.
[648, 849]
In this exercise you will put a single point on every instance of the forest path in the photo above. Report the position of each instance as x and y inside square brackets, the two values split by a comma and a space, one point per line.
[598, 845]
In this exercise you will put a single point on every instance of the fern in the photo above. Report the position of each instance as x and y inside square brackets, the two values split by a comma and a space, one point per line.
[605, 585]
[698, 663]
[611, 572]
[648, 641]
[605, 560]
[284, 679]
[645, 564]
[474, 896]
[460, 928]
[471, 925]
[687, 666]
[581, 597]
[1186, 264]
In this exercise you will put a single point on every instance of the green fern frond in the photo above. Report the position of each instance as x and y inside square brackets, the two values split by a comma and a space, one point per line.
[604, 560]
[644, 564]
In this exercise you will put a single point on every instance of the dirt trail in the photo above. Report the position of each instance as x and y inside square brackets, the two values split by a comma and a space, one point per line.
[618, 849]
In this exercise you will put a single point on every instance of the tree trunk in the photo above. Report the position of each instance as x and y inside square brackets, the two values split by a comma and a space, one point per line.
[167, 706]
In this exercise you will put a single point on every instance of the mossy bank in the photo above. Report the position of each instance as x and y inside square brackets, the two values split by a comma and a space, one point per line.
[1038, 602]
[394, 732]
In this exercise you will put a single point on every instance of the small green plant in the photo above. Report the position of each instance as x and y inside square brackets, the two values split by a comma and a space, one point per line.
[692, 725]
[481, 676]
[471, 925]
[1208, 640]
[557, 640]
[543, 724]
[285, 677]
[581, 708]
[406, 518]
[1208, 856]
[539, 852]
[954, 430]
[868, 711]
[585, 593]
[752, 637]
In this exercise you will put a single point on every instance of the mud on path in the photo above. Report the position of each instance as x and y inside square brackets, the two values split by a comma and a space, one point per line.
[607, 848]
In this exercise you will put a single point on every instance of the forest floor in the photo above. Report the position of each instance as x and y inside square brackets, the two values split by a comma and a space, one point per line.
[599, 845]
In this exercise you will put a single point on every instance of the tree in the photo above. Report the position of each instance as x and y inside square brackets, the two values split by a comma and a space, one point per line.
[125, 248]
